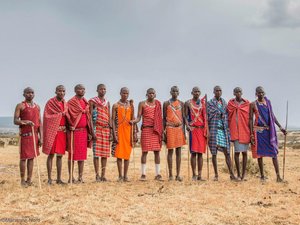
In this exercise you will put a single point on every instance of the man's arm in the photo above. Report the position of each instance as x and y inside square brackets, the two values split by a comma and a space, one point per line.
[40, 129]
[186, 111]
[251, 112]
[113, 115]
[140, 111]
[17, 120]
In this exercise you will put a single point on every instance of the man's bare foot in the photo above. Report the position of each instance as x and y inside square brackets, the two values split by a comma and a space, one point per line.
[103, 179]
[279, 179]
[120, 179]
[171, 178]
[216, 178]
[200, 178]
[195, 178]
[49, 182]
[29, 183]
[23, 183]
[125, 179]
[80, 181]
[73, 180]
[98, 178]
[263, 179]
[143, 177]
[60, 182]
[243, 179]
[158, 177]
[233, 178]
[178, 178]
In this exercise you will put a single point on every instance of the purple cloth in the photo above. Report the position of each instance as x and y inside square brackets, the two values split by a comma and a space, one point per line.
[267, 139]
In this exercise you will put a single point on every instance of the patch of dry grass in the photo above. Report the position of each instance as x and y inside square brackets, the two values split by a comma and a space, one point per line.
[151, 202]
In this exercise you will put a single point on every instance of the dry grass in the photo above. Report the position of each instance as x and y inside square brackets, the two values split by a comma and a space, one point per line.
[150, 202]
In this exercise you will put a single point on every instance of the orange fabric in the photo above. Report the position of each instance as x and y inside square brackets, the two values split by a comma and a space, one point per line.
[238, 120]
[123, 148]
[174, 128]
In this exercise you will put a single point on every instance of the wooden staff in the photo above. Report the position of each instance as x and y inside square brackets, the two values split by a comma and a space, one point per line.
[232, 156]
[165, 146]
[132, 143]
[285, 138]
[188, 151]
[72, 156]
[207, 135]
[36, 156]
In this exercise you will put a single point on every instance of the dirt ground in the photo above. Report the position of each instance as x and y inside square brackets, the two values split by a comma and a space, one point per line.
[149, 202]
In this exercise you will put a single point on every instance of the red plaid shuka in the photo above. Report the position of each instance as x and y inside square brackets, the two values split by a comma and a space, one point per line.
[151, 137]
[79, 118]
[101, 118]
[53, 119]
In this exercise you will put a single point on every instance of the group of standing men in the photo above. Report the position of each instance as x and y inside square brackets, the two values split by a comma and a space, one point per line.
[78, 124]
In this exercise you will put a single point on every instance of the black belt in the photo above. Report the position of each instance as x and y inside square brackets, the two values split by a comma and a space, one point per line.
[26, 134]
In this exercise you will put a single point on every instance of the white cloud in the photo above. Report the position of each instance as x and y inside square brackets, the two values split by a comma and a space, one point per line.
[278, 13]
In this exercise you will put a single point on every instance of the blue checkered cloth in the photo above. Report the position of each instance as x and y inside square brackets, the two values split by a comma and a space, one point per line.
[218, 126]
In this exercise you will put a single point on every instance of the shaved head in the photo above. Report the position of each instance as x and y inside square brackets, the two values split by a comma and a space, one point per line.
[124, 89]
[259, 89]
[150, 90]
[60, 87]
[217, 88]
[78, 86]
[237, 89]
[28, 89]
[100, 86]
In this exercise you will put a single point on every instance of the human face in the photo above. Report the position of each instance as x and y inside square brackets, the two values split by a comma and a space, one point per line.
[196, 93]
[29, 95]
[218, 92]
[101, 91]
[124, 95]
[60, 93]
[260, 94]
[151, 95]
[80, 91]
[174, 93]
[238, 94]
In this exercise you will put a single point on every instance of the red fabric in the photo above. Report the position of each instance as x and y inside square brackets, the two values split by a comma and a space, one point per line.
[101, 146]
[151, 139]
[80, 120]
[239, 130]
[31, 113]
[158, 121]
[198, 135]
[53, 118]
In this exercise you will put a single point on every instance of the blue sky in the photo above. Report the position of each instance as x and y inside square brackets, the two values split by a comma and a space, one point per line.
[157, 43]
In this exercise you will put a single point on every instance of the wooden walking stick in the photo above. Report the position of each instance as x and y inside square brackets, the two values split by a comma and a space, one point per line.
[36, 156]
[188, 151]
[132, 143]
[72, 155]
[207, 136]
[285, 138]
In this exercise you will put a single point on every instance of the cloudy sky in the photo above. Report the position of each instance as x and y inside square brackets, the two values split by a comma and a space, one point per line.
[151, 43]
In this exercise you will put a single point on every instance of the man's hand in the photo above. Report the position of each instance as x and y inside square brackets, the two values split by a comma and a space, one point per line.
[283, 131]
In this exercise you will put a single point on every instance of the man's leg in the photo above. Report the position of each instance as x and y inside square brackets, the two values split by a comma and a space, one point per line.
[80, 171]
[23, 171]
[228, 162]
[59, 169]
[276, 167]
[119, 164]
[200, 166]
[103, 168]
[143, 165]
[69, 169]
[193, 165]
[178, 163]
[96, 167]
[49, 167]
[261, 168]
[245, 159]
[157, 165]
[126, 166]
[170, 157]
[237, 163]
[29, 170]
[214, 162]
